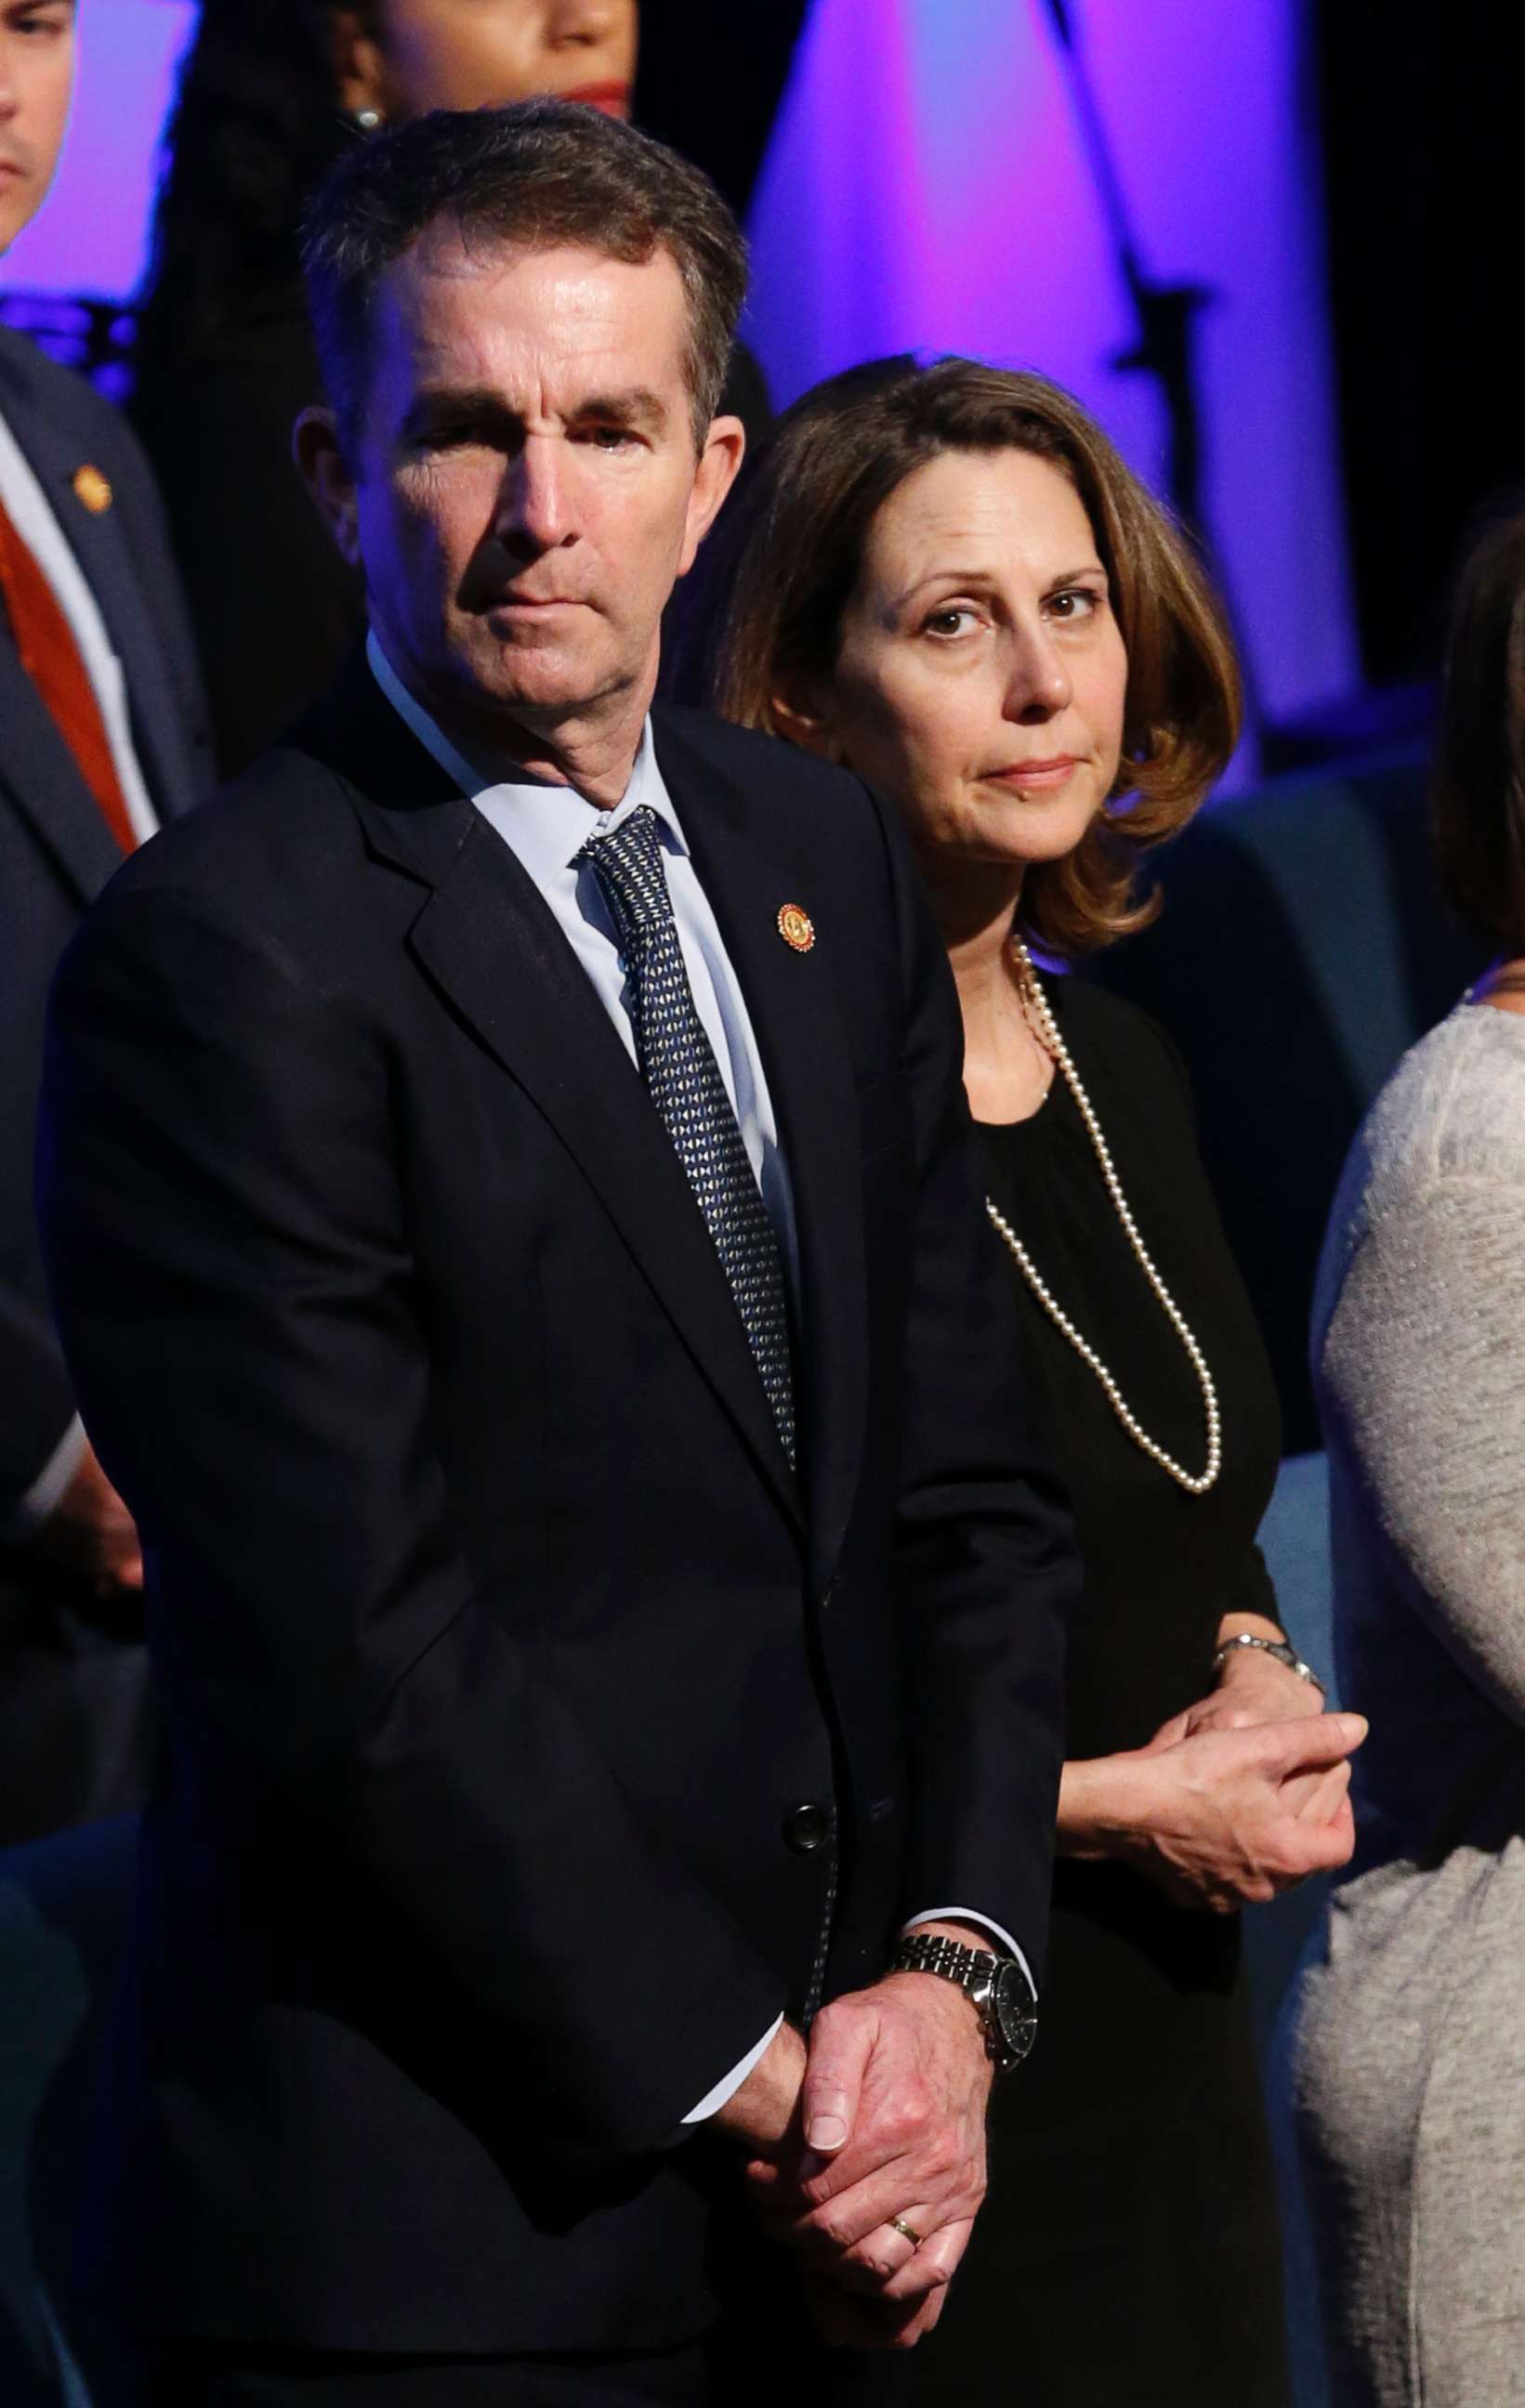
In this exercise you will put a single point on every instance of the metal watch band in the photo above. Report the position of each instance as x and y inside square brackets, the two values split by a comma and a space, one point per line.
[1278, 1647]
[975, 1971]
[932, 1952]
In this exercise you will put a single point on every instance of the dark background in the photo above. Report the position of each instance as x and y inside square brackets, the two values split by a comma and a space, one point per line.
[1422, 112]
[711, 76]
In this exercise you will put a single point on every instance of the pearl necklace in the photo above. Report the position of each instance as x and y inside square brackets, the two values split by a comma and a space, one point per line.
[1036, 1004]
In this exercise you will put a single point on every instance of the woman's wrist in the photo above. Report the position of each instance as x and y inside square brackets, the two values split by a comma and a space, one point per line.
[1247, 1663]
[1251, 1626]
[1105, 1802]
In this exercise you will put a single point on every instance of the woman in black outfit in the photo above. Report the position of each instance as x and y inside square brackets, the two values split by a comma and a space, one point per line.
[270, 93]
[948, 579]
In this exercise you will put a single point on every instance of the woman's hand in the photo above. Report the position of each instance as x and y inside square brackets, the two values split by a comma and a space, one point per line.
[1220, 1818]
[1252, 1688]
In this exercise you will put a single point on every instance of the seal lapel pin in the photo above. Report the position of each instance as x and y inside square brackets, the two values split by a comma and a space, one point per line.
[796, 927]
[94, 490]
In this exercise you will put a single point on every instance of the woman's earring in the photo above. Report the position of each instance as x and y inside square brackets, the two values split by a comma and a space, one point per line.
[367, 121]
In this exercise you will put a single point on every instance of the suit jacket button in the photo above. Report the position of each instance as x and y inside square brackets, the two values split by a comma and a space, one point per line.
[806, 1828]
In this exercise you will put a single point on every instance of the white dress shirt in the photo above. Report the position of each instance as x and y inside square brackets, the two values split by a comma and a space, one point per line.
[546, 826]
[31, 513]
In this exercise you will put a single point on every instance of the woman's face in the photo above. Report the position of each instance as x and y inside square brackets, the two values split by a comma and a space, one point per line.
[483, 53]
[981, 679]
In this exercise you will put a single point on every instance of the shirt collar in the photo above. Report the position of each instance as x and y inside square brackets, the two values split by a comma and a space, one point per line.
[546, 825]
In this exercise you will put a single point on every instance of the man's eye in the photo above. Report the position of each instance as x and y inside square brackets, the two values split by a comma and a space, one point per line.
[607, 439]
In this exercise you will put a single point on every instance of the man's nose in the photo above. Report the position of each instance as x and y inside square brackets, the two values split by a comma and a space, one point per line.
[534, 510]
[1037, 684]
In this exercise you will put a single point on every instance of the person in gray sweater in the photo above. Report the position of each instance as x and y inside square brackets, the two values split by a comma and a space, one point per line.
[1408, 2052]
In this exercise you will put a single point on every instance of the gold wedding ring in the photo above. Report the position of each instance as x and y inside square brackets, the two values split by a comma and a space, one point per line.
[907, 2231]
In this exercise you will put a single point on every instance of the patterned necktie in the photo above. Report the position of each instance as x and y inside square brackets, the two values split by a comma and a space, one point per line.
[55, 665]
[678, 1064]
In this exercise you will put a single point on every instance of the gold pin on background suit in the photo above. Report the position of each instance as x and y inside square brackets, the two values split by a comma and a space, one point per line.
[94, 490]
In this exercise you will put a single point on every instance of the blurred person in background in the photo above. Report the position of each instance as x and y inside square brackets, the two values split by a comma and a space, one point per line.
[102, 735]
[1409, 2072]
[269, 96]
[947, 579]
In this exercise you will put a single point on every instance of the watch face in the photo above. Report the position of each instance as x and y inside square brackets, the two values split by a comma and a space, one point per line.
[1016, 2010]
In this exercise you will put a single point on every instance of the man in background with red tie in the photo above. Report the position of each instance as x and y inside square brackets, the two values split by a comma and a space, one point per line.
[102, 735]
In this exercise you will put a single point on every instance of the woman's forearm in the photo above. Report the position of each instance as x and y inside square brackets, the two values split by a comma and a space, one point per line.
[1213, 1817]
[1103, 1805]
[1240, 1618]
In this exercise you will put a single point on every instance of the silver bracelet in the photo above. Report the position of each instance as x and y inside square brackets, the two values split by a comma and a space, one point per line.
[1278, 1647]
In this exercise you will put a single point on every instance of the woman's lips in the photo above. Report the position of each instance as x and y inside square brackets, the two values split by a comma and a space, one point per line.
[614, 98]
[1055, 772]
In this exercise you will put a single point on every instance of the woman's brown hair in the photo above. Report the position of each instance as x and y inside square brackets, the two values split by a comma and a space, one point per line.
[793, 545]
[1479, 781]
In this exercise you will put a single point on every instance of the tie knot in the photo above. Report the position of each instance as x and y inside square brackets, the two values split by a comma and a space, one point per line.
[628, 864]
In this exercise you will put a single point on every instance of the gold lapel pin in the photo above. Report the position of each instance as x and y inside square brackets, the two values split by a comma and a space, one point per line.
[797, 928]
[94, 490]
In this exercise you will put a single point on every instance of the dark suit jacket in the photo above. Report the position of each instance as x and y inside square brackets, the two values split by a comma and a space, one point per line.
[500, 1646]
[56, 854]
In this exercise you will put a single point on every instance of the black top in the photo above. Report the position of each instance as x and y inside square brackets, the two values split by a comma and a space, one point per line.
[1162, 1566]
[1129, 2248]
[277, 608]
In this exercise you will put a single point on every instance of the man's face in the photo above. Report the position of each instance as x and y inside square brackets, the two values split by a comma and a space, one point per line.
[525, 489]
[36, 78]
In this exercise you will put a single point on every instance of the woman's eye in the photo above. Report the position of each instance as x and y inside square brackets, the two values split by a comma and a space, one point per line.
[1076, 602]
[954, 618]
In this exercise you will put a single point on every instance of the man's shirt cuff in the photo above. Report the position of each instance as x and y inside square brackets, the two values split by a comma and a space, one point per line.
[967, 1914]
[726, 2089]
[47, 1491]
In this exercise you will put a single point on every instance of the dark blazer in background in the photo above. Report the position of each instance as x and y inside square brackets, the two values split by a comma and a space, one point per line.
[277, 608]
[67, 1727]
[536, 1736]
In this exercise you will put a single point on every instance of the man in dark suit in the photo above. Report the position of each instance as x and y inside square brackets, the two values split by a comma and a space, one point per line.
[510, 1204]
[101, 736]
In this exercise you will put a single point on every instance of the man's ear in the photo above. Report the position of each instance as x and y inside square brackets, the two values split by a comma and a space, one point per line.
[716, 473]
[323, 469]
[809, 729]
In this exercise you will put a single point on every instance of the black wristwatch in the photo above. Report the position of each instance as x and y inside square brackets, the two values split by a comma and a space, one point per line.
[1003, 1998]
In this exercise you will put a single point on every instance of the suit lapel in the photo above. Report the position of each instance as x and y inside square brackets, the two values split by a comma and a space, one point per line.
[487, 938]
[37, 768]
[100, 543]
[794, 1015]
